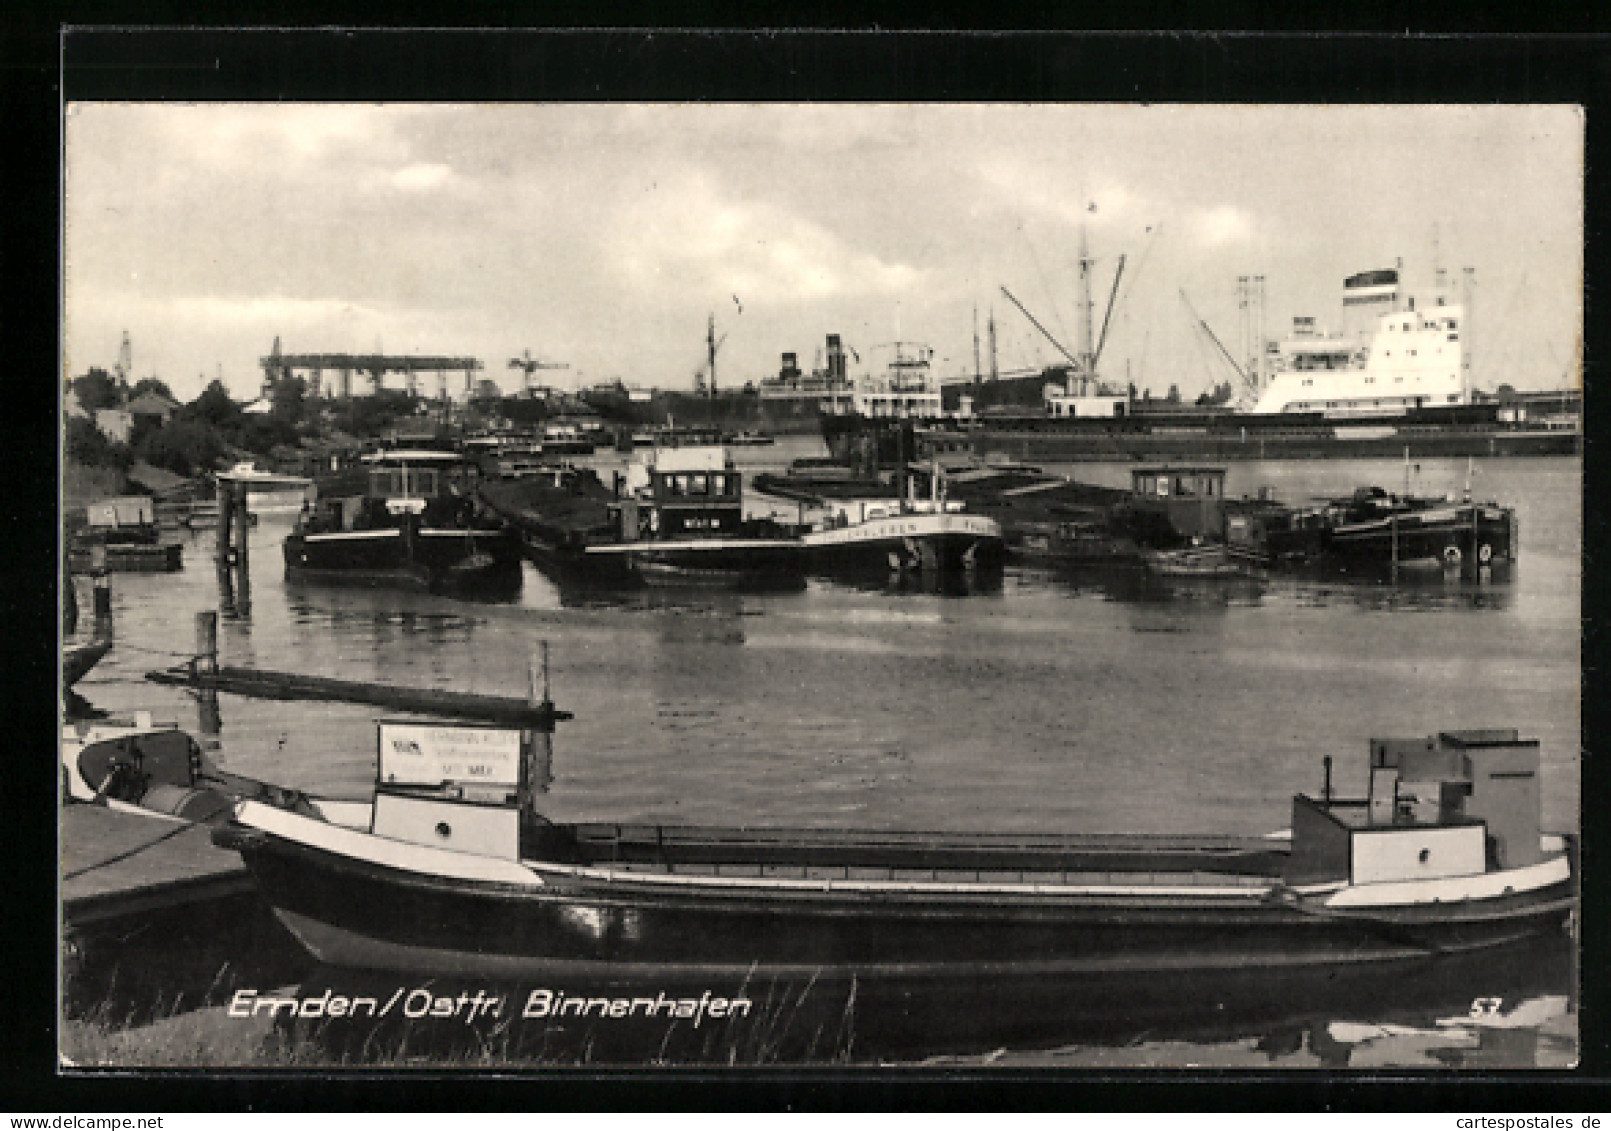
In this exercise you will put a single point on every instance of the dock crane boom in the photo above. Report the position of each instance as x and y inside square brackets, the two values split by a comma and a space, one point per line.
[529, 366]
[1033, 322]
[1225, 353]
[1113, 297]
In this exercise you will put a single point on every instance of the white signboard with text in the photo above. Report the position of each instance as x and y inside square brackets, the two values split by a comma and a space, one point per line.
[414, 754]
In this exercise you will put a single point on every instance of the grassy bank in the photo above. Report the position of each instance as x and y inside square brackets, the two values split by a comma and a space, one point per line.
[82, 484]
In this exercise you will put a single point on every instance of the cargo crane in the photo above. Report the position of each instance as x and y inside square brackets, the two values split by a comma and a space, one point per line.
[1092, 342]
[529, 365]
[705, 374]
[1249, 384]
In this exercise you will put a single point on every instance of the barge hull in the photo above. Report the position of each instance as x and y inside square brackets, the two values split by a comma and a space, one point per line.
[355, 913]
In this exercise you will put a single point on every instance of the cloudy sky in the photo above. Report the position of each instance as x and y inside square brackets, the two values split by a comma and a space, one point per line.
[603, 236]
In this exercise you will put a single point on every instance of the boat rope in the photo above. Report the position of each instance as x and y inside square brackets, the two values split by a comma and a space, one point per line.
[135, 851]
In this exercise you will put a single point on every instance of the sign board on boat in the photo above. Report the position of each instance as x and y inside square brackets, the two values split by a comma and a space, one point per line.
[415, 754]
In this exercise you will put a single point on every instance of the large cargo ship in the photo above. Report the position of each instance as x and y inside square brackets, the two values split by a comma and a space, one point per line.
[1394, 382]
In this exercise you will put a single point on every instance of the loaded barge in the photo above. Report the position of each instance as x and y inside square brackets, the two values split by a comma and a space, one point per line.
[675, 517]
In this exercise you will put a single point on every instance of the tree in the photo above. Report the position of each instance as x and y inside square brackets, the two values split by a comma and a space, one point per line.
[184, 446]
[289, 398]
[372, 415]
[97, 389]
[86, 444]
[153, 385]
[261, 434]
[215, 407]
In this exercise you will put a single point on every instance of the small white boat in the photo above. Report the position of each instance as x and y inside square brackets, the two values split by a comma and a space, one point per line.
[269, 492]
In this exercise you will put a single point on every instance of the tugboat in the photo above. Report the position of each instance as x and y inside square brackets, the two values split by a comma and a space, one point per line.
[909, 534]
[270, 493]
[415, 527]
[675, 517]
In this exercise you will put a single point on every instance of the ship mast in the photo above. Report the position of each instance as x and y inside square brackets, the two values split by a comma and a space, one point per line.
[990, 326]
[710, 342]
[976, 344]
[1087, 311]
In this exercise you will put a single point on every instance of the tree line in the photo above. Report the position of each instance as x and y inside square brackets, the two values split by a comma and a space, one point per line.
[213, 428]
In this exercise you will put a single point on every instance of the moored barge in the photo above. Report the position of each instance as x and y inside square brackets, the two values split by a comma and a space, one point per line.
[676, 517]
[452, 872]
[415, 527]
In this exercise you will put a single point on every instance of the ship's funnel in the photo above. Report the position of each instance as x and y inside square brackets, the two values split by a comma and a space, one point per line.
[1366, 297]
[836, 358]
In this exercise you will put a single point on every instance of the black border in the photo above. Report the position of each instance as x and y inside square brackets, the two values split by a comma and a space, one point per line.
[733, 65]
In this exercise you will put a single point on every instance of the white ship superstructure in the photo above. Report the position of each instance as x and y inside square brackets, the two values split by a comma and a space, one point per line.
[906, 390]
[1394, 354]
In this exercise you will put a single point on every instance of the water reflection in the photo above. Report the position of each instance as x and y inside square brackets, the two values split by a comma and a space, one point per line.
[1136, 585]
[1406, 597]
[381, 616]
[948, 583]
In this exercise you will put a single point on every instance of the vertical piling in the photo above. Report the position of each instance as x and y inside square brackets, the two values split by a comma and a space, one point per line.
[69, 603]
[207, 641]
[538, 741]
[207, 661]
[243, 559]
[226, 587]
[102, 593]
[1392, 525]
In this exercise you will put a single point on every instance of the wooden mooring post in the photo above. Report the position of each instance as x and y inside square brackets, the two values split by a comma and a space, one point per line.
[206, 661]
[539, 741]
[101, 593]
[1392, 526]
[234, 551]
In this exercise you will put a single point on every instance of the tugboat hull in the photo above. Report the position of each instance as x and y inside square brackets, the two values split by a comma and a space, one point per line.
[908, 543]
[424, 559]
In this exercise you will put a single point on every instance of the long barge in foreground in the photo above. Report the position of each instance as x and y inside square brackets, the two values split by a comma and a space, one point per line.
[449, 871]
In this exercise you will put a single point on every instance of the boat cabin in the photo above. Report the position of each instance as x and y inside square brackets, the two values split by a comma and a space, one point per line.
[1461, 803]
[457, 787]
[1192, 497]
[437, 487]
[406, 480]
[683, 492]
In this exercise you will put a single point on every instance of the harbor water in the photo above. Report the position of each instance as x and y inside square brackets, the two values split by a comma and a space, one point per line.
[1092, 701]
